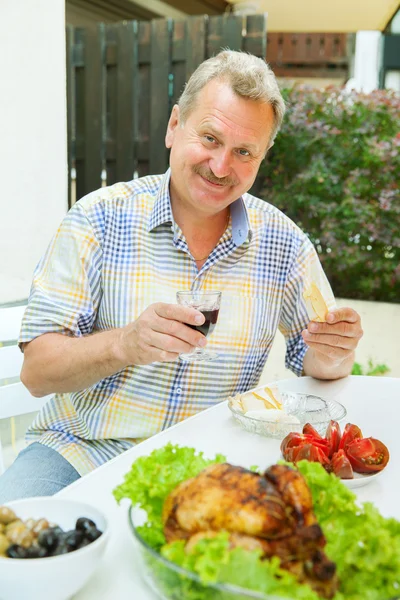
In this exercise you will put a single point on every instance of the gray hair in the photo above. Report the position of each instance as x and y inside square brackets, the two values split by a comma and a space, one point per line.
[248, 76]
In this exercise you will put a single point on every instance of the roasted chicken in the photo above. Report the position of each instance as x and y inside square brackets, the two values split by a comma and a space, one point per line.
[272, 513]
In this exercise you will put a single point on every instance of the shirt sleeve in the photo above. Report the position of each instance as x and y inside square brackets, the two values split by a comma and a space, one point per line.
[294, 318]
[66, 288]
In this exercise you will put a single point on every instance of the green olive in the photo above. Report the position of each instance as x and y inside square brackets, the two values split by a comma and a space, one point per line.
[7, 515]
[4, 543]
[38, 526]
[20, 535]
[14, 524]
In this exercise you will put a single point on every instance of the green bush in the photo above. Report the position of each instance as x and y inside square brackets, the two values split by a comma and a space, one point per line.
[335, 170]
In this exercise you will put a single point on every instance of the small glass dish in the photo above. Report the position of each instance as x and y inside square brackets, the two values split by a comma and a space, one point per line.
[307, 408]
[172, 582]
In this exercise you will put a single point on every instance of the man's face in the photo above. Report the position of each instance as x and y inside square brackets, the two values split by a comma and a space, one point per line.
[215, 156]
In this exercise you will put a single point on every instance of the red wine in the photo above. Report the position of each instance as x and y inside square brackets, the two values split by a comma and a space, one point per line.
[208, 326]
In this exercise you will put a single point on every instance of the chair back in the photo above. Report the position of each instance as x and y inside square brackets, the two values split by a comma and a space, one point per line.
[15, 399]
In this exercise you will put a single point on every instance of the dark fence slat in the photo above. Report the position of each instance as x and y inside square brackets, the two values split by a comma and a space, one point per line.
[79, 107]
[232, 28]
[142, 86]
[126, 100]
[214, 39]
[196, 31]
[111, 103]
[94, 106]
[70, 110]
[255, 41]
[178, 59]
[159, 88]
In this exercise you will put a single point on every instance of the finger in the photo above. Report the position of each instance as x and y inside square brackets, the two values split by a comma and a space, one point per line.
[178, 312]
[343, 314]
[171, 344]
[179, 331]
[157, 355]
[330, 352]
[341, 328]
[336, 341]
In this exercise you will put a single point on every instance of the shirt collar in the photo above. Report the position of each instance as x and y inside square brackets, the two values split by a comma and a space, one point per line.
[162, 213]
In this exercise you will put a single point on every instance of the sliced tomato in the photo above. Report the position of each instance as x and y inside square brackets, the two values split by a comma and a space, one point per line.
[299, 439]
[291, 440]
[341, 466]
[351, 432]
[333, 436]
[311, 453]
[308, 429]
[367, 455]
[290, 453]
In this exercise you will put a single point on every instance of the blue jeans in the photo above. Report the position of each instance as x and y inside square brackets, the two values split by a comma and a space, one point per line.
[37, 471]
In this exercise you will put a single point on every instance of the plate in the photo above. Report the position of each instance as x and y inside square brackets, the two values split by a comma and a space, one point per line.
[306, 407]
[360, 480]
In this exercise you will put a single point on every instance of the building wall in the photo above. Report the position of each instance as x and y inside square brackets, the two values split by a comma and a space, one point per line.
[33, 152]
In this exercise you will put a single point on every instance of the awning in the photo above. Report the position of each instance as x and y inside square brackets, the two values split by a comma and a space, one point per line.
[324, 15]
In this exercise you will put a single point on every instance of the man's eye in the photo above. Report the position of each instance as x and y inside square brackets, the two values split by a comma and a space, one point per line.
[243, 152]
[209, 138]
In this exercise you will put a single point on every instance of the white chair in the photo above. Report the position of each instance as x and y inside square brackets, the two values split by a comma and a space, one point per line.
[15, 399]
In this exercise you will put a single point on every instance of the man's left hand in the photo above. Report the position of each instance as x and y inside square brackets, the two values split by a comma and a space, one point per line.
[334, 341]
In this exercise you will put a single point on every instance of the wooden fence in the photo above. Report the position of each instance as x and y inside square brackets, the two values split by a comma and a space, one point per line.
[122, 81]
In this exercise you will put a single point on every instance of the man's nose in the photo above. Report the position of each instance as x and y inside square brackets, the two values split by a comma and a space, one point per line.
[220, 164]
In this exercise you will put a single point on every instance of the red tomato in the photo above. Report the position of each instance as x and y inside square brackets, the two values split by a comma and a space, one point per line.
[367, 455]
[350, 433]
[308, 429]
[290, 453]
[341, 466]
[292, 439]
[311, 453]
[333, 436]
[298, 439]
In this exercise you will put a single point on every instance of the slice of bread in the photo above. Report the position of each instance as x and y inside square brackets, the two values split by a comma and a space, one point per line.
[319, 307]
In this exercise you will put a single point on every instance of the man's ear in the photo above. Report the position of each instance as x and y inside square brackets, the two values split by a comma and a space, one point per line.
[173, 123]
[268, 149]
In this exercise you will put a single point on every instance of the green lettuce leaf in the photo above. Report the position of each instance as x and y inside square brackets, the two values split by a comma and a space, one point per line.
[364, 545]
[153, 477]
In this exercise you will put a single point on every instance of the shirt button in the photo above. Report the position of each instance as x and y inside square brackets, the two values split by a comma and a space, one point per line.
[179, 390]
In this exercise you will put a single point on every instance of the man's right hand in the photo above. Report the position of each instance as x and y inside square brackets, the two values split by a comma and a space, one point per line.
[160, 334]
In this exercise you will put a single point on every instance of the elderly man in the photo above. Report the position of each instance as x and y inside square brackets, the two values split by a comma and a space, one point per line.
[102, 330]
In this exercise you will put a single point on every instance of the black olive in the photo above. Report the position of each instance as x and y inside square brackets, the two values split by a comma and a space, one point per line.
[16, 551]
[84, 542]
[92, 534]
[73, 538]
[84, 524]
[49, 538]
[61, 548]
[36, 552]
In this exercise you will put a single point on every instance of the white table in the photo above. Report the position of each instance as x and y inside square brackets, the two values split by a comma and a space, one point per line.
[373, 403]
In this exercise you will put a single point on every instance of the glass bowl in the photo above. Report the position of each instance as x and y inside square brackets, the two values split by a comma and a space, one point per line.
[171, 582]
[306, 407]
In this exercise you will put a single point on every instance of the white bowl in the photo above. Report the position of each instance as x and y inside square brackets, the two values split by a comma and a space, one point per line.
[53, 577]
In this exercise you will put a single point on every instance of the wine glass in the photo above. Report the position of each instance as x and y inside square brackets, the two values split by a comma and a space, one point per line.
[208, 303]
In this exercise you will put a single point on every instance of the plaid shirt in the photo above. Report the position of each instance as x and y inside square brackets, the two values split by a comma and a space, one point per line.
[117, 251]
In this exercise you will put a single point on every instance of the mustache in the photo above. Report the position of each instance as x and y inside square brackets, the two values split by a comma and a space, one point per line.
[209, 175]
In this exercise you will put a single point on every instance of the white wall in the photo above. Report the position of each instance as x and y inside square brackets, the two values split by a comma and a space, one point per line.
[33, 153]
